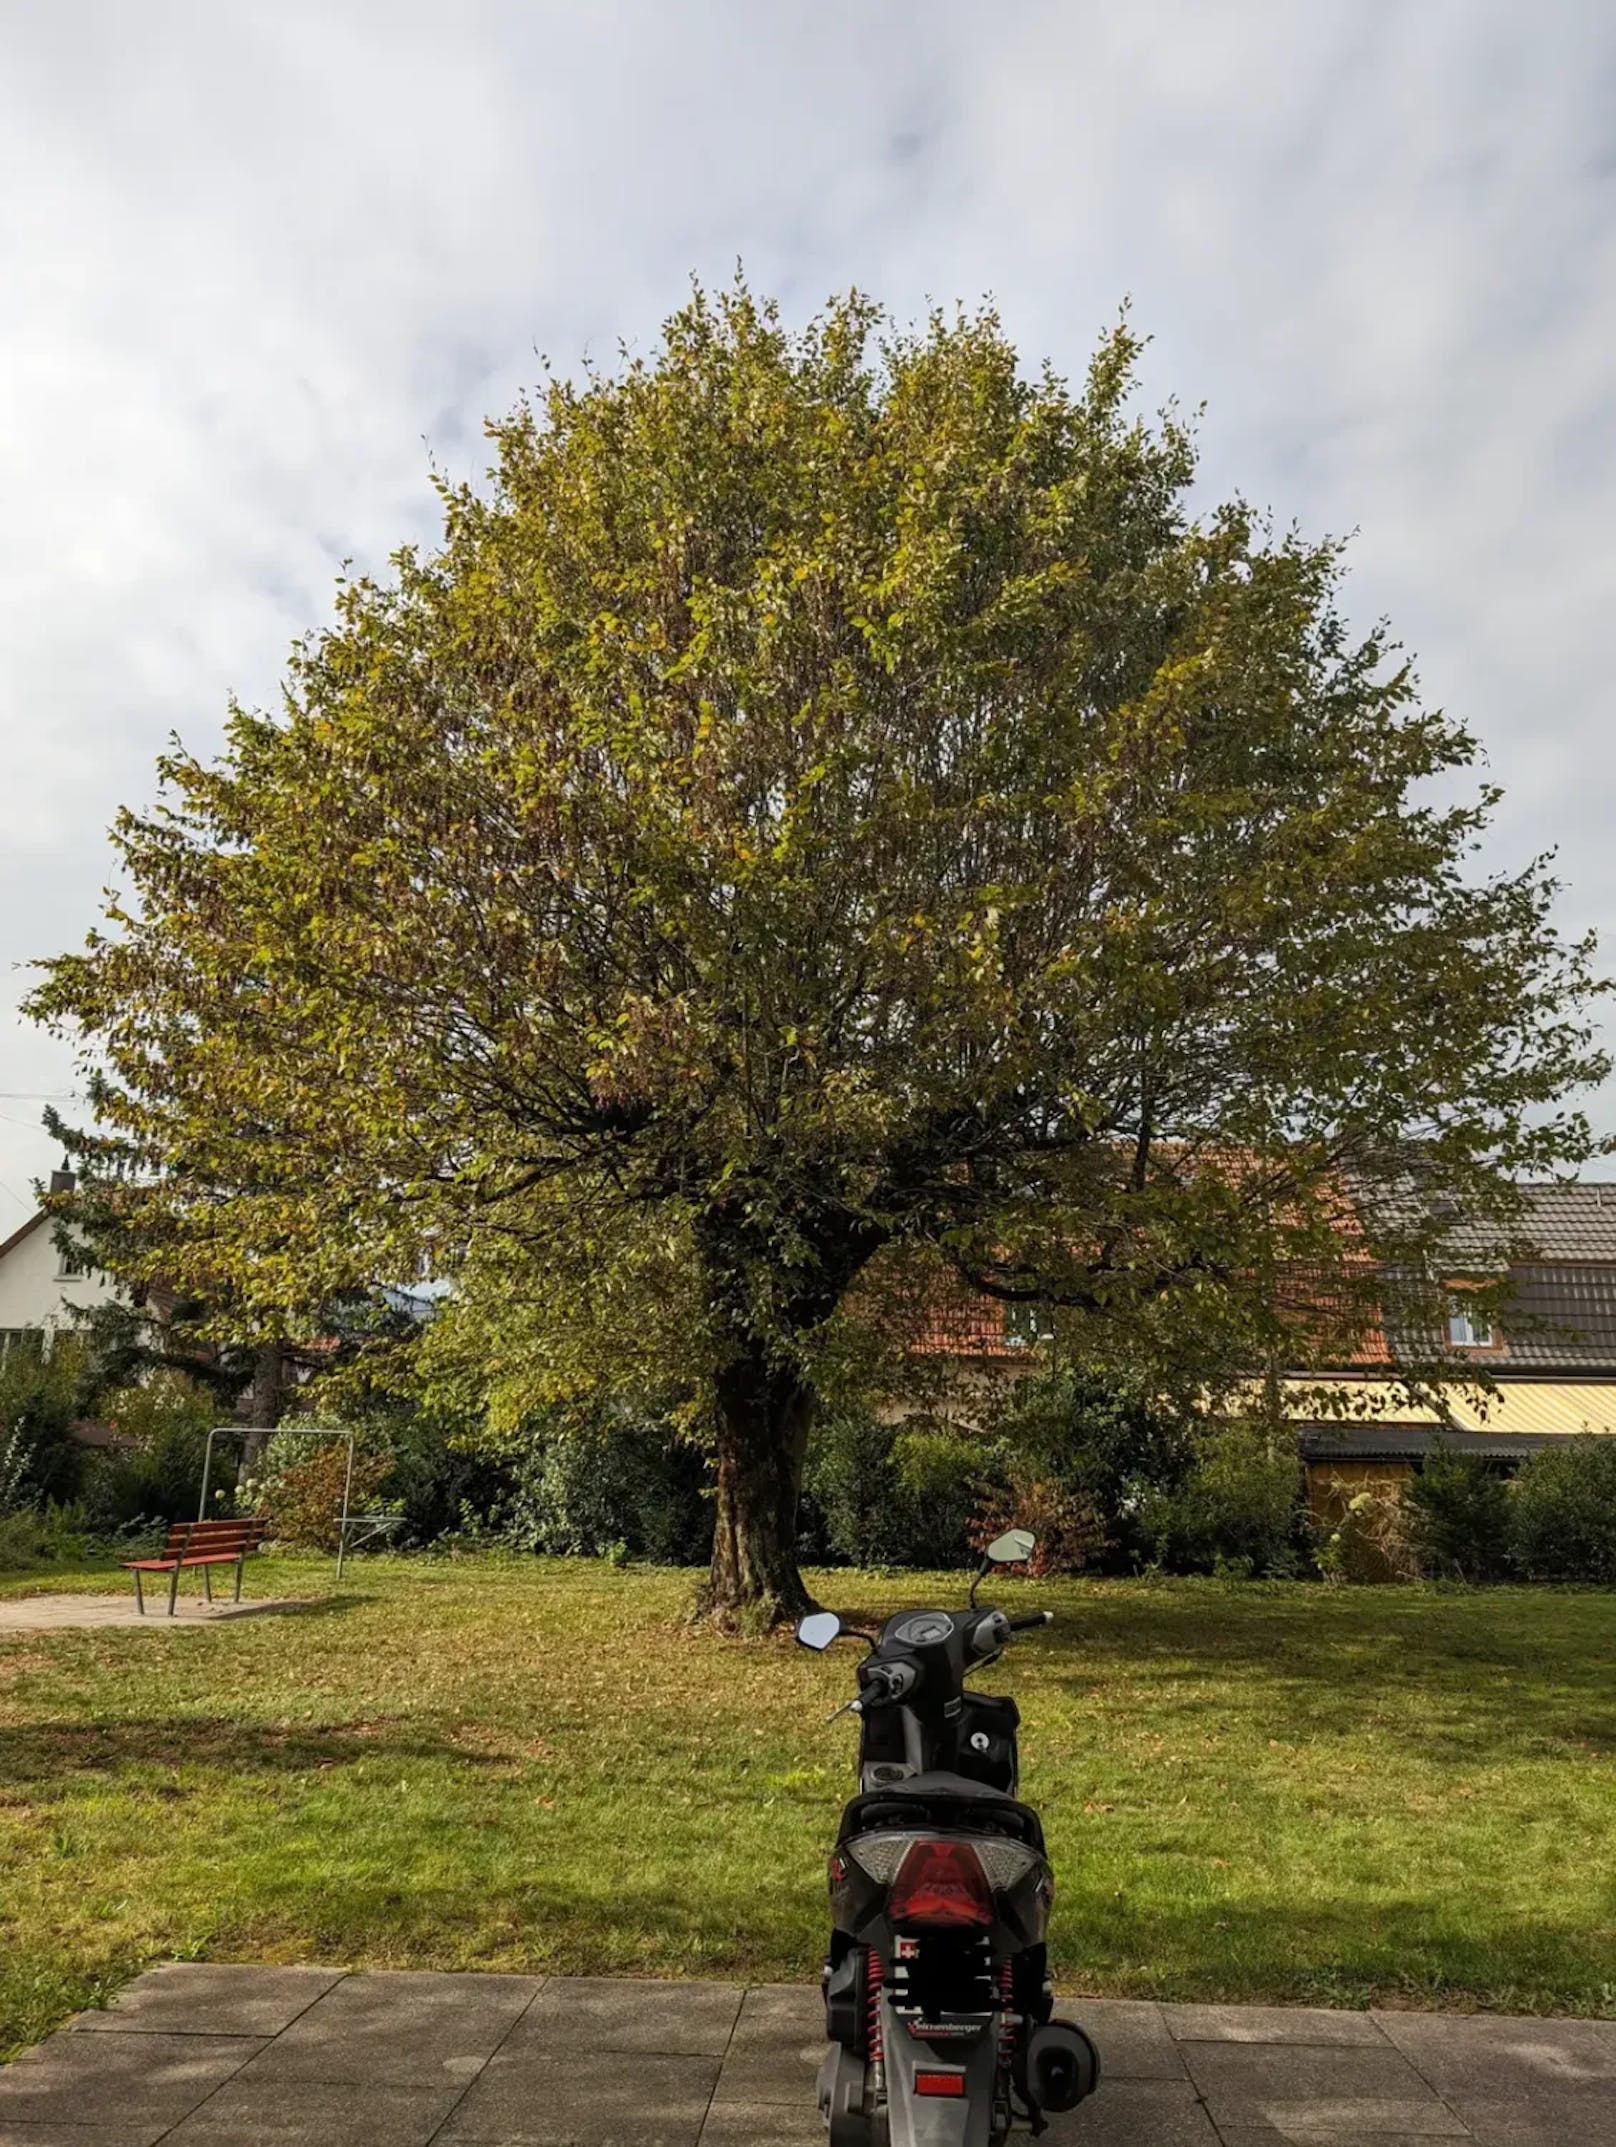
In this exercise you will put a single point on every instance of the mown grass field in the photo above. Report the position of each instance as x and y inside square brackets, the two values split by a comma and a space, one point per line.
[1251, 1792]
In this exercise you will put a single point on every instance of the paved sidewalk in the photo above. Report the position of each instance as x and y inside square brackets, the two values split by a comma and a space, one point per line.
[196, 2056]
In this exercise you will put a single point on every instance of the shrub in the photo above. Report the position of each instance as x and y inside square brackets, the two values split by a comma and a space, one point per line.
[29, 1539]
[941, 1476]
[1071, 1536]
[617, 1486]
[440, 1486]
[1565, 1512]
[1238, 1511]
[157, 1475]
[1362, 1534]
[299, 1488]
[1459, 1518]
[1105, 1452]
[850, 1486]
[64, 1535]
[878, 1494]
[43, 1383]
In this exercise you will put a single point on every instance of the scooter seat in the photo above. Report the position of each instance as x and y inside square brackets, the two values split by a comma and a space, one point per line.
[943, 1784]
[1000, 1814]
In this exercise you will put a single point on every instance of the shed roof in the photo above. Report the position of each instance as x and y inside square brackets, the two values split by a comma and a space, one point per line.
[1411, 1442]
[1551, 1408]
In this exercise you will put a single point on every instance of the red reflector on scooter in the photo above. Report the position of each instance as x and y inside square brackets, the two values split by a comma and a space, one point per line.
[940, 2083]
[941, 1882]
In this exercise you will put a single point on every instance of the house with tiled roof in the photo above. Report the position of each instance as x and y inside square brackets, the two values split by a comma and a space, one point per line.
[1541, 1367]
[1501, 1382]
[44, 1279]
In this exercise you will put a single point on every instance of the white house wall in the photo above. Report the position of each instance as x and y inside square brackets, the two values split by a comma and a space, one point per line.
[33, 1290]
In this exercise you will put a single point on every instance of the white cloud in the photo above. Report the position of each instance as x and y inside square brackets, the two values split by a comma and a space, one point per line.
[255, 255]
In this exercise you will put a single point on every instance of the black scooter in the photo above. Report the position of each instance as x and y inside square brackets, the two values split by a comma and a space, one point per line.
[937, 1995]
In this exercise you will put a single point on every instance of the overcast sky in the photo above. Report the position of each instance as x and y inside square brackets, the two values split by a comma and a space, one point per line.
[263, 263]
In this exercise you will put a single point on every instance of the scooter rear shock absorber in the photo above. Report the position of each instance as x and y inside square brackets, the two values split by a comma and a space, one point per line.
[1009, 2018]
[874, 1977]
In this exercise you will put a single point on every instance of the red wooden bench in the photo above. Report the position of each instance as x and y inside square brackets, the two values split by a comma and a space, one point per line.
[199, 1543]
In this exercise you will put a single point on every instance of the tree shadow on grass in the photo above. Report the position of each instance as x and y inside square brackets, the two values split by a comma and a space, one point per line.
[303, 1606]
[1338, 1949]
[1325, 1951]
[39, 1754]
[1439, 1676]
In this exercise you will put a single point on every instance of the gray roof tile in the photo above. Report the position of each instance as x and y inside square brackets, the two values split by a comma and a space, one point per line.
[1561, 1317]
[1572, 1222]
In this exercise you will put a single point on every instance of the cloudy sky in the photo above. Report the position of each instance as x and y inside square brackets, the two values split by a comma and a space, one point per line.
[263, 264]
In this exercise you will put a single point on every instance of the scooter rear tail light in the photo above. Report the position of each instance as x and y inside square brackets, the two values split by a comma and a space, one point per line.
[942, 1882]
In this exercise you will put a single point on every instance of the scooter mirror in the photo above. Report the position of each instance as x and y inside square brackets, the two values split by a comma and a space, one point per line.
[1013, 1548]
[818, 1630]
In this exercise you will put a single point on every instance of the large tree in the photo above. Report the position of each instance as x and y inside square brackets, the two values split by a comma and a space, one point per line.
[825, 815]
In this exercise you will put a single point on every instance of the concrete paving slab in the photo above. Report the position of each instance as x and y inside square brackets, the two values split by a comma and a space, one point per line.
[356, 2060]
[115, 2135]
[1268, 2024]
[1267, 2136]
[1334, 2120]
[1132, 2036]
[1551, 2118]
[78, 1613]
[1307, 2087]
[589, 2098]
[775, 2050]
[335, 2114]
[407, 2028]
[132, 2080]
[600, 2013]
[209, 1998]
[1511, 2059]
[1136, 2113]
[763, 2124]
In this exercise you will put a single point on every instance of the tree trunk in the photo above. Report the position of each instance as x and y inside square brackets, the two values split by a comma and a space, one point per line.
[764, 1415]
[264, 1406]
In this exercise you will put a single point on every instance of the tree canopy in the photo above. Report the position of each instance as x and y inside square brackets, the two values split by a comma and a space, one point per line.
[826, 813]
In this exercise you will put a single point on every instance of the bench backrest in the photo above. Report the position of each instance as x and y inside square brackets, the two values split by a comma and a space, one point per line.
[188, 1539]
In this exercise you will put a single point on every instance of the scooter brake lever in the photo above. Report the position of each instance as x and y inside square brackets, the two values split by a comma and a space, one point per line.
[848, 1707]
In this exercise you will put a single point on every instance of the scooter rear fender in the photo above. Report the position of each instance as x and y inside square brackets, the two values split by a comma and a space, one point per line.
[916, 2120]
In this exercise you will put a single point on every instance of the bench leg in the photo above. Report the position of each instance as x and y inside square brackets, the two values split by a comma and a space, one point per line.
[207, 1582]
[240, 1562]
[140, 1600]
[173, 1587]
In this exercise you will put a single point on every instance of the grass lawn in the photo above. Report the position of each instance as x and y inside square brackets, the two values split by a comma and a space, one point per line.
[1251, 1792]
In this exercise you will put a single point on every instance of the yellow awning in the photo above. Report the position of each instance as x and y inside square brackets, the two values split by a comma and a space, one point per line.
[1526, 1405]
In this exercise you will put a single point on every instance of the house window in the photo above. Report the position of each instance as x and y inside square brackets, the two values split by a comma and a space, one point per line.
[73, 1261]
[12, 1338]
[1467, 1327]
[1026, 1326]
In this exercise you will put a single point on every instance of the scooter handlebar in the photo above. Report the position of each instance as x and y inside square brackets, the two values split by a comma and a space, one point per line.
[1033, 1617]
[886, 1682]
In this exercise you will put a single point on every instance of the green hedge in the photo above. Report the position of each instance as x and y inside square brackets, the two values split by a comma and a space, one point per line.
[1237, 1511]
[1564, 1512]
[1460, 1515]
[880, 1494]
